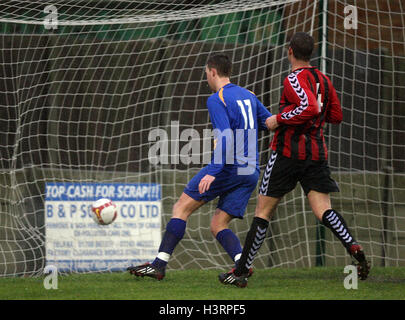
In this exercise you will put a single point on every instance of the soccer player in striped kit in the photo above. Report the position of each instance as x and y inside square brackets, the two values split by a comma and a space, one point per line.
[299, 153]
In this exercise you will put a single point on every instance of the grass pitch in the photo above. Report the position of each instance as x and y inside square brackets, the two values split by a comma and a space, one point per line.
[292, 284]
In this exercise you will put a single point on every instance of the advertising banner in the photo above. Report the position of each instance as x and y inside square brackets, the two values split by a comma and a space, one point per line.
[74, 242]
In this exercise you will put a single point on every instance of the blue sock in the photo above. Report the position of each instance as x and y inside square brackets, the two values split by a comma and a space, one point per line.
[174, 233]
[230, 242]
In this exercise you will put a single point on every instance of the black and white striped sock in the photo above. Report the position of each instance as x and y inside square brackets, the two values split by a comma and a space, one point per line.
[253, 242]
[334, 221]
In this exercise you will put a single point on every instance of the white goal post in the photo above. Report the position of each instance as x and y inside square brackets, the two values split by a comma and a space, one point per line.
[88, 86]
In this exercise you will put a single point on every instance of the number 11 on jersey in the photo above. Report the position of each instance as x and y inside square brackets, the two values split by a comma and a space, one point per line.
[244, 106]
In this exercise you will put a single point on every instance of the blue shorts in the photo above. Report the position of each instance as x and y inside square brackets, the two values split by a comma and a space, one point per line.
[233, 190]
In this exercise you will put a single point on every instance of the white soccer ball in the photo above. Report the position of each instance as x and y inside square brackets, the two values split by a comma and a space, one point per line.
[104, 211]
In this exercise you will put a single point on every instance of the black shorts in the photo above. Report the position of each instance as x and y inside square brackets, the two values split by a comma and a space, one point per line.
[282, 174]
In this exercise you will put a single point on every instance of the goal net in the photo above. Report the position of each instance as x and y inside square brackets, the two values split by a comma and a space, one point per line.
[108, 99]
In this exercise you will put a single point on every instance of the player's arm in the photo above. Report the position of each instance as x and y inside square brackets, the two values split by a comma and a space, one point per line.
[334, 113]
[272, 122]
[220, 123]
[263, 116]
[303, 105]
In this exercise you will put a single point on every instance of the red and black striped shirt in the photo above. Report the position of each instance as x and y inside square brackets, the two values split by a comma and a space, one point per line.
[307, 102]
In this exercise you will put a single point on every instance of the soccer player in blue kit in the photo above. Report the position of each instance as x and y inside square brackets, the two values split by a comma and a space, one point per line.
[236, 115]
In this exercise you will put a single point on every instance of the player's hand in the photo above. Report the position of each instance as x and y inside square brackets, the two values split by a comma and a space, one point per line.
[205, 183]
[271, 122]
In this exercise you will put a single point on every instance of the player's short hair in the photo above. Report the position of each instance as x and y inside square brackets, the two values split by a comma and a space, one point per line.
[221, 63]
[302, 45]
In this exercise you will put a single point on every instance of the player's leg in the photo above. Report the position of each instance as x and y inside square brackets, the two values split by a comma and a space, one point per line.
[225, 236]
[322, 208]
[175, 229]
[317, 184]
[233, 200]
[331, 218]
[264, 211]
[278, 179]
[232, 204]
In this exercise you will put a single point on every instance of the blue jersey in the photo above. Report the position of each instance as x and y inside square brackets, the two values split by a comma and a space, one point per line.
[237, 116]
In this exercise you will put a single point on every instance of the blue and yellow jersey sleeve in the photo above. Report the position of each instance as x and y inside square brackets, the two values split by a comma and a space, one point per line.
[262, 115]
